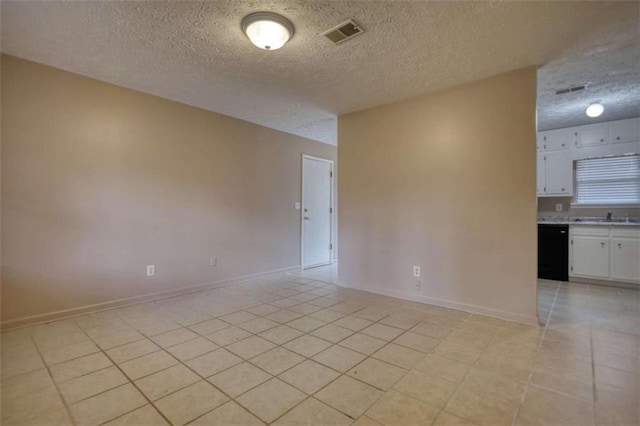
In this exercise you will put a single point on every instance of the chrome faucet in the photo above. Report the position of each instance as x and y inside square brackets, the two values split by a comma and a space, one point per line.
[608, 217]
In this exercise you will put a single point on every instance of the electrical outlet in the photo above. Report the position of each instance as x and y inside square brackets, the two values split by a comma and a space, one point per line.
[213, 262]
[559, 207]
[416, 271]
[151, 270]
[297, 205]
[418, 285]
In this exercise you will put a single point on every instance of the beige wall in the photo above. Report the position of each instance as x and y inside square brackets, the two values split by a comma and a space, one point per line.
[98, 181]
[448, 182]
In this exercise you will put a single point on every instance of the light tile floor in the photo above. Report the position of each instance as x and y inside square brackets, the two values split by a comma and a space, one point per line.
[296, 349]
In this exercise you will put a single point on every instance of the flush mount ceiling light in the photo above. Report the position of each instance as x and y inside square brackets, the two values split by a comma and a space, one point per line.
[595, 110]
[268, 31]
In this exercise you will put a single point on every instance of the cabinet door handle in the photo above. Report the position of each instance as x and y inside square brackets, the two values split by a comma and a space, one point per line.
[562, 189]
[601, 140]
[619, 245]
[617, 138]
[602, 244]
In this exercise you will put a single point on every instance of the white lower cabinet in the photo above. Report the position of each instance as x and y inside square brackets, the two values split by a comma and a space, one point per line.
[590, 257]
[625, 259]
[609, 253]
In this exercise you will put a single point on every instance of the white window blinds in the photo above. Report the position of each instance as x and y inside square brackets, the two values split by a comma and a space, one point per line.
[611, 180]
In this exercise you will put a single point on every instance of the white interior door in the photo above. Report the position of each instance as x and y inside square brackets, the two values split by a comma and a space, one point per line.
[317, 176]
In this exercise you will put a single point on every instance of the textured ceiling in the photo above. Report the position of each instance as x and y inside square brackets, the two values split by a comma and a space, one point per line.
[195, 52]
[607, 62]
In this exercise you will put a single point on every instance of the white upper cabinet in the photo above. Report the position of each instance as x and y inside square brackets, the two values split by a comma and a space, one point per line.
[624, 131]
[557, 149]
[555, 167]
[610, 138]
[592, 135]
[558, 172]
[555, 140]
[540, 174]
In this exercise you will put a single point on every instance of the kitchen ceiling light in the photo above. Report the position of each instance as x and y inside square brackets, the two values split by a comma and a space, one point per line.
[595, 110]
[267, 30]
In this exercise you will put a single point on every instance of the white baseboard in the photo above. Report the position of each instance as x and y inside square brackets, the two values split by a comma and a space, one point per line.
[474, 309]
[605, 283]
[148, 297]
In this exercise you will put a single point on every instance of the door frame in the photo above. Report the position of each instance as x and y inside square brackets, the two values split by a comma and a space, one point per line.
[333, 212]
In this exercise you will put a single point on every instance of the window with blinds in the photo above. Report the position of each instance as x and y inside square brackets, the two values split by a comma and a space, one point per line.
[611, 180]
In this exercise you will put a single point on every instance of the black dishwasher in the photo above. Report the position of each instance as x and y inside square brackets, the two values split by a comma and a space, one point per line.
[553, 252]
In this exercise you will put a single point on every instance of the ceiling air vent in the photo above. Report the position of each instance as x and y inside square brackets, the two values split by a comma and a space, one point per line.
[343, 32]
[570, 90]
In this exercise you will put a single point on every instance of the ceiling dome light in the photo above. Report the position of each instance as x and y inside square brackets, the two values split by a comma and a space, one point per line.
[595, 110]
[267, 30]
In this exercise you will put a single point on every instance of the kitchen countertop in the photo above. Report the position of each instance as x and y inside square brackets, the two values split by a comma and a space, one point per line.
[590, 221]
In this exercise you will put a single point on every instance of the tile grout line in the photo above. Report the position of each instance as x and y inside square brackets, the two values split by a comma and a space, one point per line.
[340, 374]
[100, 349]
[195, 372]
[463, 379]
[530, 376]
[593, 378]
[367, 356]
[55, 384]
[203, 378]
[164, 349]
[129, 380]
[307, 396]
[149, 338]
